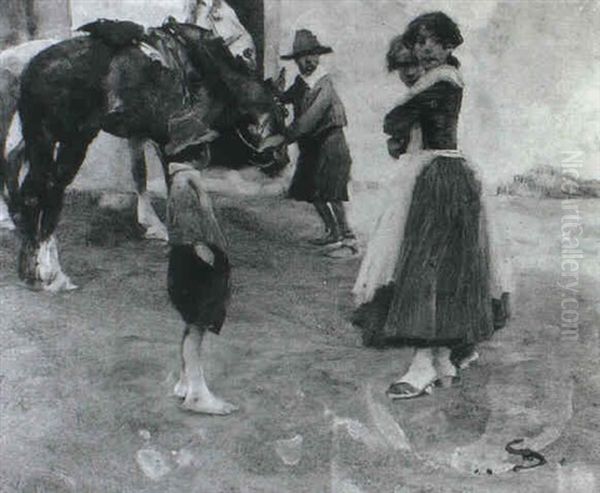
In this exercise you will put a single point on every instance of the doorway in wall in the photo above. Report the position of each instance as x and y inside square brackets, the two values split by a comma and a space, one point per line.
[251, 14]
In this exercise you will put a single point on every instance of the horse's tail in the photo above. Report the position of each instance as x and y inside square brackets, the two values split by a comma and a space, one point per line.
[117, 34]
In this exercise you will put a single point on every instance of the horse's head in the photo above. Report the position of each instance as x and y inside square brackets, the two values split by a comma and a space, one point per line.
[261, 117]
[252, 110]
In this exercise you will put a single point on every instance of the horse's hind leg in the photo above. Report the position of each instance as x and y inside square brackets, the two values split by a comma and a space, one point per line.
[146, 215]
[9, 90]
[11, 170]
[5, 220]
[16, 167]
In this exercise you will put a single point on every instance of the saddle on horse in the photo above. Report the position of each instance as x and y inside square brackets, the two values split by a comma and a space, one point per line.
[188, 126]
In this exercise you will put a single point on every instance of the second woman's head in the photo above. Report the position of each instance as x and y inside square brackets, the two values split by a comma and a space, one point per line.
[432, 37]
[401, 58]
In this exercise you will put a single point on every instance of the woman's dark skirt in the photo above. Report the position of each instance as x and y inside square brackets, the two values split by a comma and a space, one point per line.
[199, 291]
[440, 294]
[323, 168]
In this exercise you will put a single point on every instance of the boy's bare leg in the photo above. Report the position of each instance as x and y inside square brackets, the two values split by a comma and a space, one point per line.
[198, 397]
[181, 387]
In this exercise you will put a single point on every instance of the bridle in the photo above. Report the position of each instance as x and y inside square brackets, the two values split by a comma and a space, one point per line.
[254, 151]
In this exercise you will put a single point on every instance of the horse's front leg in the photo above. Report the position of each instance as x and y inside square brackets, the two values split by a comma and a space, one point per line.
[29, 202]
[146, 215]
[42, 196]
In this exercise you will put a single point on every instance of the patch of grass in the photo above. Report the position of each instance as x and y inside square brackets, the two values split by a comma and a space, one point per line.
[109, 228]
[86, 221]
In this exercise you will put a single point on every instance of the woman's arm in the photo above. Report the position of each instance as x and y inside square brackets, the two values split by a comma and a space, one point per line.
[398, 122]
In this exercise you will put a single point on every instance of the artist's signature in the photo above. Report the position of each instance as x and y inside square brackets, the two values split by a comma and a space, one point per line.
[531, 458]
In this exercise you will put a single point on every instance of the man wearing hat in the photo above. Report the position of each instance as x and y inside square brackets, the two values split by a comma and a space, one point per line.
[323, 167]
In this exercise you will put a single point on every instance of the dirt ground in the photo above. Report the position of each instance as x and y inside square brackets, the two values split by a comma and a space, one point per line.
[86, 377]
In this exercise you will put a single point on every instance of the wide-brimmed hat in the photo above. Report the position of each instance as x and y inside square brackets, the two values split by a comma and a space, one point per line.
[306, 43]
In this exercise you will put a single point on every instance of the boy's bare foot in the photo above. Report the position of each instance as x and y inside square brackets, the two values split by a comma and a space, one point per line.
[208, 404]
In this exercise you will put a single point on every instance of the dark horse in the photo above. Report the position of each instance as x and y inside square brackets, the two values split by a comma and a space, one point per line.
[64, 102]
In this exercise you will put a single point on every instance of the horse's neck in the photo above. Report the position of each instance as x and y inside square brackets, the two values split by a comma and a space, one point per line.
[192, 53]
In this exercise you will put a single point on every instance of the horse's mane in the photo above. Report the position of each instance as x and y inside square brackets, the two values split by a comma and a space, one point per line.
[117, 34]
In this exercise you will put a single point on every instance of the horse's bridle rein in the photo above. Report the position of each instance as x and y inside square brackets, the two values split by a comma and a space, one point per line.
[255, 150]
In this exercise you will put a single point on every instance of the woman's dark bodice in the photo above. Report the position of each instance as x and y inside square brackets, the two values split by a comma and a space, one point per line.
[435, 109]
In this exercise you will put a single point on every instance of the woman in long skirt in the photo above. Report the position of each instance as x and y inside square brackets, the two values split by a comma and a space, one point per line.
[439, 298]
